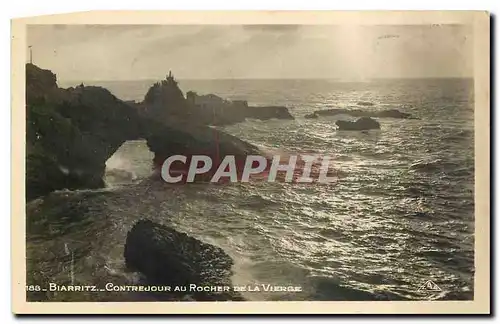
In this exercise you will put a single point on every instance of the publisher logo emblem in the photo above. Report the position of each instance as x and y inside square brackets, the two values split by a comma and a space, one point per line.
[429, 285]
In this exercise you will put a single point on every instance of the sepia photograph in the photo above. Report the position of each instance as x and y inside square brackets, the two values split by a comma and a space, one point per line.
[283, 159]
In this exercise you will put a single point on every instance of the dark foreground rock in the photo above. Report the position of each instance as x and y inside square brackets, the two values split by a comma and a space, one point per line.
[168, 257]
[391, 113]
[364, 123]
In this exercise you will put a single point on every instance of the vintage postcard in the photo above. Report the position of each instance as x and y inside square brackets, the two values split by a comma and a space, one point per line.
[251, 162]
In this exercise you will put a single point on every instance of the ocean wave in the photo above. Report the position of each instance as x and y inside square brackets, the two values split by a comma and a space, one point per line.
[114, 177]
[463, 134]
[432, 165]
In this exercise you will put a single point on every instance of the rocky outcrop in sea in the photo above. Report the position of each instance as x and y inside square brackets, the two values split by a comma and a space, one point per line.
[165, 101]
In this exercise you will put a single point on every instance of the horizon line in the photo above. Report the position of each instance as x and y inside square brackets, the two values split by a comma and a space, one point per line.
[268, 79]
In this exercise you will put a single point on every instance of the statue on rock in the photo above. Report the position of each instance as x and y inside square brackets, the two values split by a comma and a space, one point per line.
[170, 78]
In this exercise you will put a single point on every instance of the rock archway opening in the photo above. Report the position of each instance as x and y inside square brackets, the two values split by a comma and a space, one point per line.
[130, 163]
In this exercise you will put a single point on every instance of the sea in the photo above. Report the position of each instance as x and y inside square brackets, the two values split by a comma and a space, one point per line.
[397, 224]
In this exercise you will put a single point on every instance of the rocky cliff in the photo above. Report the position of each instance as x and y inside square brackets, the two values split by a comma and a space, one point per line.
[70, 133]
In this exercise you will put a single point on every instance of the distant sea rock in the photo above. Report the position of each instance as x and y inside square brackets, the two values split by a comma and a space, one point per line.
[268, 112]
[168, 257]
[363, 123]
[314, 115]
[365, 103]
[391, 113]
[394, 113]
[220, 116]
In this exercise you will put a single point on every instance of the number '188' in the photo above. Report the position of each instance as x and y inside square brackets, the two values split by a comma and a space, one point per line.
[33, 288]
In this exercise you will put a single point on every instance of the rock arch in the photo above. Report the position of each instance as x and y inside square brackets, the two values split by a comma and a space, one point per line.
[71, 133]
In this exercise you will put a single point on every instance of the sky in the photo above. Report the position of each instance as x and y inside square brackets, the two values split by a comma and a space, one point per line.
[345, 52]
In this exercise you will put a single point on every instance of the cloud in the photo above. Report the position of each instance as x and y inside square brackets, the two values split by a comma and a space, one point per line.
[105, 52]
[272, 28]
